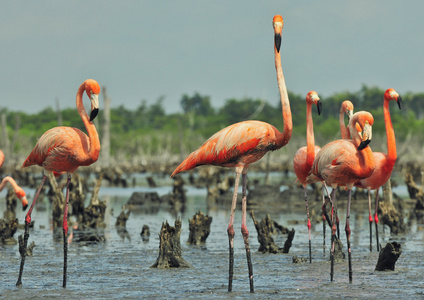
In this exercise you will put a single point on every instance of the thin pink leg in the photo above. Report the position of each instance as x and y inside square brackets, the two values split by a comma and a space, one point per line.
[309, 222]
[376, 219]
[349, 250]
[65, 231]
[26, 234]
[370, 219]
[245, 232]
[230, 229]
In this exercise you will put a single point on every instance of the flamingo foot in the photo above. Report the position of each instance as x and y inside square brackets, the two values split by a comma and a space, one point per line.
[245, 234]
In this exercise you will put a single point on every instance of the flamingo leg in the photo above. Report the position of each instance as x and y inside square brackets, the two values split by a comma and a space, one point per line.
[376, 219]
[26, 234]
[347, 228]
[370, 217]
[245, 232]
[65, 231]
[230, 230]
[309, 222]
[323, 223]
[333, 233]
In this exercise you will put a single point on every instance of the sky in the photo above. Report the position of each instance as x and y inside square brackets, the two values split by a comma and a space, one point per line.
[144, 50]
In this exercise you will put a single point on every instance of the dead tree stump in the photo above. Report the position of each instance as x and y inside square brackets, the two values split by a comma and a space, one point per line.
[145, 233]
[388, 257]
[200, 227]
[265, 230]
[11, 203]
[170, 248]
[121, 222]
[7, 230]
[390, 216]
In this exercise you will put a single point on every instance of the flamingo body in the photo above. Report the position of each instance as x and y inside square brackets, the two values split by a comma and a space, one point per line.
[301, 169]
[62, 149]
[239, 144]
[1, 158]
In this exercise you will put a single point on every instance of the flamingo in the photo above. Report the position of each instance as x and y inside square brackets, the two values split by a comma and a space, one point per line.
[345, 109]
[342, 163]
[239, 145]
[19, 192]
[64, 149]
[304, 157]
[384, 162]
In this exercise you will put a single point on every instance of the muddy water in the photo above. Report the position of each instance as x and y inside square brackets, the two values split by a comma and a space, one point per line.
[120, 267]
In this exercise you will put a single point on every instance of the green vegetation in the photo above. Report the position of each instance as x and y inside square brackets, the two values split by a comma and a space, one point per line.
[149, 131]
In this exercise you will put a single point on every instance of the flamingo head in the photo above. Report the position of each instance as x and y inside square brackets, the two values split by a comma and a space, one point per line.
[92, 88]
[312, 97]
[365, 121]
[20, 193]
[347, 108]
[391, 94]
[277, 23]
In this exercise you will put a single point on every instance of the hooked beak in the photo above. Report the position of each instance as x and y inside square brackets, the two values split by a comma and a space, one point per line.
[24, 203]
[399, 102]
[94, 106]
[277, 41]
[319, 107]
[366, 137]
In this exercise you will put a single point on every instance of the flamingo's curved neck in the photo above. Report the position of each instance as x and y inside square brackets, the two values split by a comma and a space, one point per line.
[310, 140]
[367, 163]
[285, 136]
[94, 148]
[10, 180]
[344, 130]
[390, 133]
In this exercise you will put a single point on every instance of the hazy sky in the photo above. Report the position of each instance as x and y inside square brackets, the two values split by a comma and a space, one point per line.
[142, 50]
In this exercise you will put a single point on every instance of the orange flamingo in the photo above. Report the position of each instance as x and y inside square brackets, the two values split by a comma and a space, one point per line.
[384, 162]
[342, 163]
[241, 144]
[64, 149]
[1, 158]
[345, 109]
[19, 192]
[304, 157]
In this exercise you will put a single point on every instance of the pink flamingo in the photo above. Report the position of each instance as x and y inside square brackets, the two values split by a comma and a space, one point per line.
[343, 163]
[384, 162]
[19, 192]
[304, 157]
[241, 144]
[64, 149]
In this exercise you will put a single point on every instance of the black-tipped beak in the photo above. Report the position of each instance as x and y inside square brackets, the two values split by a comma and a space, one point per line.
[24, 207]
[93, 114]
[277, 41]
[364, 144]
[399, 102]
[319, 107]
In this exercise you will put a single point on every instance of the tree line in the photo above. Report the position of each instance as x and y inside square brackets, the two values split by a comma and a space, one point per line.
[149, 131]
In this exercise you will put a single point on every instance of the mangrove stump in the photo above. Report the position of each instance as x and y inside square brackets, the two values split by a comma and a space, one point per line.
[170, 248]
[265, 229]
[388, 257]
[200, 227]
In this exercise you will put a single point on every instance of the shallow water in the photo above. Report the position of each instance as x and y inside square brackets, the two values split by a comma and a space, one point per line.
[121, 267]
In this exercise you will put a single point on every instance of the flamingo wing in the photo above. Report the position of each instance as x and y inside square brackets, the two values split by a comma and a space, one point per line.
[60, 149]
[238, 144]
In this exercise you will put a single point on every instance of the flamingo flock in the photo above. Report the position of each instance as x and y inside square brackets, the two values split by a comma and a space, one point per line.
[346, 162]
